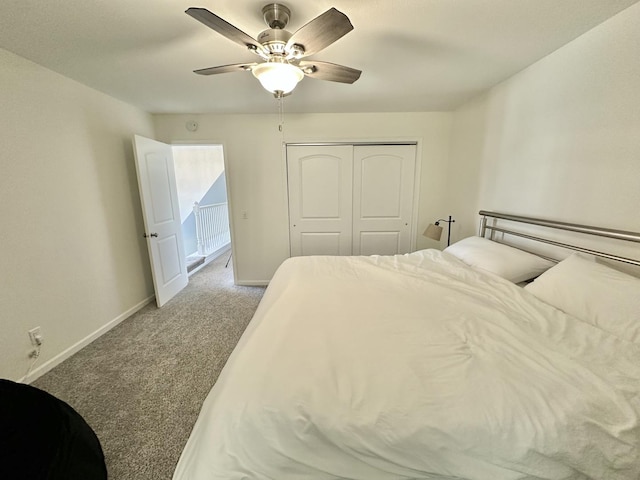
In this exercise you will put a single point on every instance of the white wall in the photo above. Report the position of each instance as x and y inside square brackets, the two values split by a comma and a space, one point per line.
[560, 139]
[72, 257]
[256, 170]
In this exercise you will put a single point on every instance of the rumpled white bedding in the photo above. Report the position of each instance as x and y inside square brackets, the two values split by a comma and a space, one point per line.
[416, 367]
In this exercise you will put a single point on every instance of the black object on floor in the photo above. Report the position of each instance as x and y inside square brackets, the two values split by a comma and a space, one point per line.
[42, 437]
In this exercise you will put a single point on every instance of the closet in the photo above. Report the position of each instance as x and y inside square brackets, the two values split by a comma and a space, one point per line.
[351, 199]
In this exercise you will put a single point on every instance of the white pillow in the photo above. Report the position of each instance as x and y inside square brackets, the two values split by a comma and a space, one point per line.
[594, 293]
[505, 261]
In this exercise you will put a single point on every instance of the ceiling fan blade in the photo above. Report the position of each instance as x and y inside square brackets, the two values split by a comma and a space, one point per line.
[224, 28]
[321, 32]
[238, 67]
[330, 71]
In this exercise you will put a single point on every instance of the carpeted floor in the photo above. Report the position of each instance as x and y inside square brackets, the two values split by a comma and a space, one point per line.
[140, 386]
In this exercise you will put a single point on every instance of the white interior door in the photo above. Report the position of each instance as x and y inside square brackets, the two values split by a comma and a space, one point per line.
[383, 184]
[161, 213]
[320, 213]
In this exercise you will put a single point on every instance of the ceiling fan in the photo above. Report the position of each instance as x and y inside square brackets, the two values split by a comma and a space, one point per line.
[282, 52]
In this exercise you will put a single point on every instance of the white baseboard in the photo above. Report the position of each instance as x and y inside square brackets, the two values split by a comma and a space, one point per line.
[219, 252]
[58, 359]
[252, 283]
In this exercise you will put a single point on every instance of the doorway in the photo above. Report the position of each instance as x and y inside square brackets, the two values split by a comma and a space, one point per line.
[203, 202]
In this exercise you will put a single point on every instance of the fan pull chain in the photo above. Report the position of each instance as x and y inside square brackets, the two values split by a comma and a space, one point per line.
[281, 117]
[283, 145]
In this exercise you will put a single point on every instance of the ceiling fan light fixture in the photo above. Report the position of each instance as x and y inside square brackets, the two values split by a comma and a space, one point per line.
[278, 77]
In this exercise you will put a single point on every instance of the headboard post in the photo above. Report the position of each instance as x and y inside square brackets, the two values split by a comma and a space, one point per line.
[483, 226]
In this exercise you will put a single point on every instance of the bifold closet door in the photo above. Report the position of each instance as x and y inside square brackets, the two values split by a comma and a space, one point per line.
[320, 182]
[383, 193]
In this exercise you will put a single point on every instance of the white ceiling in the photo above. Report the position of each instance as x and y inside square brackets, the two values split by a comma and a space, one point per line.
[416, 55]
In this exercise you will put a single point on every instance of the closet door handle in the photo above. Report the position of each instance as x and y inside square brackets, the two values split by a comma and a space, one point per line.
[150, 235]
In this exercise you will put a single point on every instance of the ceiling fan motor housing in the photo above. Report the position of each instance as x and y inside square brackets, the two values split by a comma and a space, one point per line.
[276, 15]
[274, 40]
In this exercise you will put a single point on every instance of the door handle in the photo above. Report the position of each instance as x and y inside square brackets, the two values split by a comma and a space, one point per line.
[150, 235]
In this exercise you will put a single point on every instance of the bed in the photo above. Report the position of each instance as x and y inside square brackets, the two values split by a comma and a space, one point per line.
[433, 365]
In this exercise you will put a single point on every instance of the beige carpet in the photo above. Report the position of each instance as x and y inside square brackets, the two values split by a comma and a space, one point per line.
[140, 386]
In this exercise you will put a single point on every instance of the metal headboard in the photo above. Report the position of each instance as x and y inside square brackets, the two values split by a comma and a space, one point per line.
[571, 227]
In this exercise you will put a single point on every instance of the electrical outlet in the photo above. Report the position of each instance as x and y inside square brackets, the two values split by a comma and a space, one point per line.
[35, 336]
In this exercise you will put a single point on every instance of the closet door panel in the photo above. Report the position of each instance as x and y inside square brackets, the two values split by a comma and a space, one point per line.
[320, 243]
[379, 243]
[320, 180]
[383, 192]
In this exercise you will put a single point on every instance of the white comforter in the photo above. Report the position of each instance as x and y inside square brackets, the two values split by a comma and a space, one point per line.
[416, 367]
